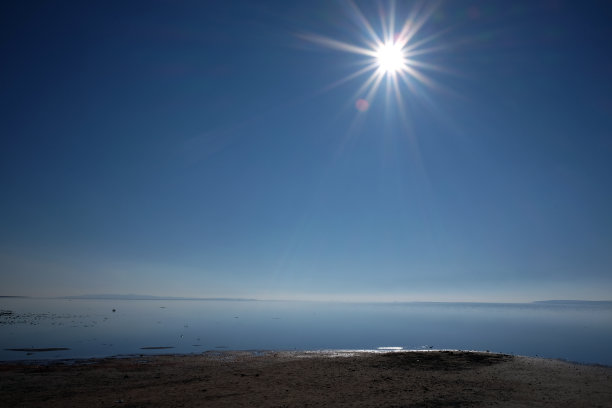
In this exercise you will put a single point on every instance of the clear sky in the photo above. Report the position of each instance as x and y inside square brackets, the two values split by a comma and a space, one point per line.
[230, 148]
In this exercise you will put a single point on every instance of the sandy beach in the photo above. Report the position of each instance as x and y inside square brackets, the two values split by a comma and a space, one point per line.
[300, 379]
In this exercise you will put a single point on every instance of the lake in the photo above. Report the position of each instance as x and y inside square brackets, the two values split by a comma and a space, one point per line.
[575, 331]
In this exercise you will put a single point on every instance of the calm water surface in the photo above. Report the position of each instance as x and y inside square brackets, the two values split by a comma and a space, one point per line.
[90, 328]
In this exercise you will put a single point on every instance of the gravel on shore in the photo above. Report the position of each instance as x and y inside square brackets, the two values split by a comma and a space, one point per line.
[313, 379]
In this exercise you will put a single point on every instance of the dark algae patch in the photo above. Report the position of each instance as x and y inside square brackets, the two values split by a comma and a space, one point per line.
[442, 360]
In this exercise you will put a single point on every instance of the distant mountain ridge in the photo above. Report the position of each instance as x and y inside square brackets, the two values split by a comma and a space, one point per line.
[149, 297]
[131, 296]
[570, 302]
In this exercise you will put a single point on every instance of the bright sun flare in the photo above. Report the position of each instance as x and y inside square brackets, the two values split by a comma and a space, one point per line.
[390, 58]
[392, 53]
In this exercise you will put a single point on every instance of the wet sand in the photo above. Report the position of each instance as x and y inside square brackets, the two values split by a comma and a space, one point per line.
[301, 379]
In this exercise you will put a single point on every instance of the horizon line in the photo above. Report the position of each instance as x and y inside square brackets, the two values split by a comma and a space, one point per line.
[130, 296]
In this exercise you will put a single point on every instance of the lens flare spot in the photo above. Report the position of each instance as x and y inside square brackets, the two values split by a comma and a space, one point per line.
[362, 105]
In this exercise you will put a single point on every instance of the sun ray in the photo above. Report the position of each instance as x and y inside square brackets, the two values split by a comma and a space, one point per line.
[391, 21]
[338, 45]
[415, 22]
[374, 87]
[398, 95]
[366, 24]
[422, 78]
[419, 44]
[384, 24]
[367, 85]
[428, 66]
[389, 89]
[349, 77]
[425, 51]
[406, 80]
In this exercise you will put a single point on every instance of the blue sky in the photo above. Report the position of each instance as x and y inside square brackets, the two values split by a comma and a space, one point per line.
[212, 149]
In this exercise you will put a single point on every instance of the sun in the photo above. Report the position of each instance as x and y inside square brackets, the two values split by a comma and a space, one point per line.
[392, 53]
[390, 58]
